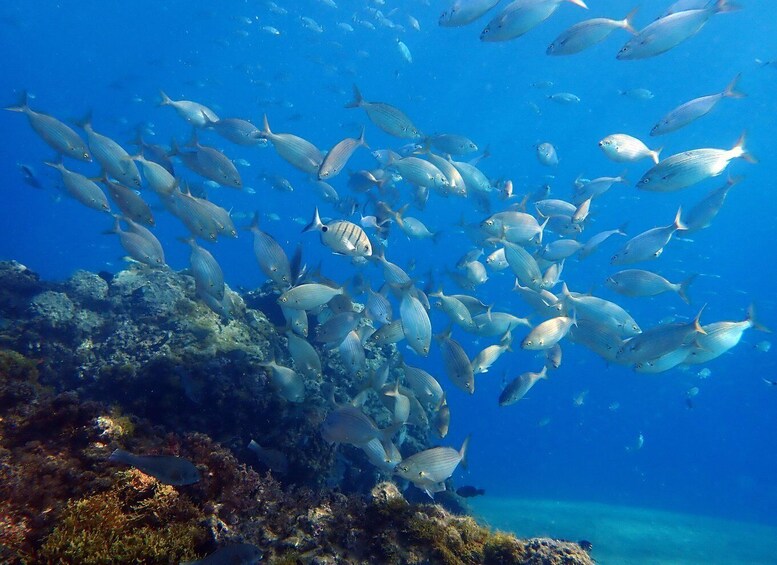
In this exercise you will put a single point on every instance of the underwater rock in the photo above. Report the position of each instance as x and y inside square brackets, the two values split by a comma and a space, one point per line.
[52, 310]
[87, 288]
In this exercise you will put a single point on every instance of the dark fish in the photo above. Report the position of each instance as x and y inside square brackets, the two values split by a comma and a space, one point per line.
[167, 469]
[470, 491]
[233, 554]
[129, 202]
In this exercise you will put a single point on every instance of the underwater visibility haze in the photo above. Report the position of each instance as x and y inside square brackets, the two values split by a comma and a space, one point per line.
[500, 248]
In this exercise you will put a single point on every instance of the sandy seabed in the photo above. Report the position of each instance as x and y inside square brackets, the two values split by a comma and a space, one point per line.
[626, 535]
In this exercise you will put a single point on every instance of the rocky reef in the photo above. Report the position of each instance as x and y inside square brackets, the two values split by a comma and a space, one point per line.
[134, 361]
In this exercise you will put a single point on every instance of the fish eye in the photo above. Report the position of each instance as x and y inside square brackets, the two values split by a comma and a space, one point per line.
[324, 229]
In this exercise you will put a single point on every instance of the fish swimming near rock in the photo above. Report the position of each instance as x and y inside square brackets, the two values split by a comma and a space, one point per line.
[429, 469]
[167, 469]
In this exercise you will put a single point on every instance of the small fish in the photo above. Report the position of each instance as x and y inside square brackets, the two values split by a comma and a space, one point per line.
[404, 51]
[286, 381]
[140, 248]
[701, 215]
[232, 554]
[193, 112]
[470, 491]
[637, 93]
[588, 33]
[298, 152]
[636, 282]
[208, 276]
[763, 346]
[275, 460]
[308, 296]
[416, 325]
[546, 154]
[548, 333]
[649, 244]
[463, 12]
[338, 156]
[388, 118]
[429, 469]
[694, 109]
[564, 98]
[517, 388]
[238, 131]
[168, 470]
[457, 365]
[623, 148]
[341, 236]
[452, 144]
[111, 156]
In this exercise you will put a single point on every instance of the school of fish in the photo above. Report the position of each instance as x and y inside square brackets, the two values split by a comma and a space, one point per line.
[531, 241]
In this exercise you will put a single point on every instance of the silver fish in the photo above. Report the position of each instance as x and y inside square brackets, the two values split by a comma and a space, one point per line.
[341, 236]
[474, 179]
[167, 469]
[158, 177]
[426, 388]
[457, 365]
[491, 354]
[669, 31]
[129, 202]
[304, 355]
[378, 307]
[659, 340]
[429, 469]
[463, 12]
[523, 265]
[236, 130]
[338, 156]
[553, 357]
[415, 324]
[690, 167]
[649, 244]
[720, 337]
[548, 333]
[493, 324]
[82, 189]
[348, 424]
[593, 244]
[385, 458]
[520, 386]
[208, 276]
[694, 109]
[452, 144]
[57, 135]
[702, 214]
[216, 166]
[297, 320]
[352, 354]
[602, 311]
[456, 311]
[388, 118]
[585, 34]
[546, 154]
[298, 152]
[554, 207]
[308, 296]
[334, 330]
[520, 16]
[140, 248]
[636, 282]
[621, 148]
[111, 156]
[561, 249]
[286, 381]
[193, 112]
[270, 256]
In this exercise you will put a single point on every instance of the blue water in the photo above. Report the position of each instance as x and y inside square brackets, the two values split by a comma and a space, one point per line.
[717, 458]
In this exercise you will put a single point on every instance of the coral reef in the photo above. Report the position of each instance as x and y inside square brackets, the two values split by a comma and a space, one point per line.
[133, 361]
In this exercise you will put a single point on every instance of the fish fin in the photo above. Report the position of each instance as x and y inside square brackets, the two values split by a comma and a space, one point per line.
[683, 289]
[731, 91]
[696, 325]
[678, 222]
[357, 99]
[121, 456]
[315, 224]
[22, 105]
[166, 101]
[629, 19]
[208, 121]
[85, 123]
[265, 126]
[463, 451]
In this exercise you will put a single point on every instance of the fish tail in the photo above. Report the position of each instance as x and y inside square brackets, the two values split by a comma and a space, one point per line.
[731, 91]
[362, 141]
[254, 225]
[543, 374]
[166, 101]
[59, 165]
[578, 3]
[22, 105]
[722, 6]
[463, 451]
[85, 123]
[678, 222]
[315, 224]
[655, 154]
[542, 230]
[628, 21]
[739, 148]
[116, 226]
[683, 289]
[753, 322]
[357, 98]
[121, 456]
[436, 236]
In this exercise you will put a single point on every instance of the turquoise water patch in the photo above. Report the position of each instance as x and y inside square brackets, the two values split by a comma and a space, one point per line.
[634, 536]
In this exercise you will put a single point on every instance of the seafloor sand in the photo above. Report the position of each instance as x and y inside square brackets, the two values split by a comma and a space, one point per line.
[622, 535]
